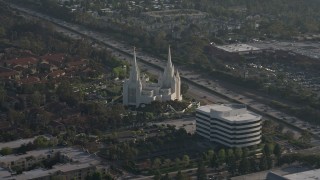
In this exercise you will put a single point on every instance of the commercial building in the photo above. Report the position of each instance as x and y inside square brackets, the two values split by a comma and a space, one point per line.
[72, 163]
[137, 90]
[229, 124]
[240, 48]
[305, 175]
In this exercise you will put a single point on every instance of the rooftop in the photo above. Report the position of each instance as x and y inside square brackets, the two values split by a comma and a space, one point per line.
[238, 48]
[13, 157]
[221, 107]
[175, 12]
[5, 73]
[230, 112]
[17, 143]
[4, 173]
[306, 175]
[80, 160]
[22, 61]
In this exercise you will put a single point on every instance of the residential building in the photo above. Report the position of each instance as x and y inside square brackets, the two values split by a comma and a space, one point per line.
[229, 124]
[137, 90]
[6, 73]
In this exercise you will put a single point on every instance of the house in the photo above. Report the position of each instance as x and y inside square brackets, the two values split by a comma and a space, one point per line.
[46, 67]
[29, 80]
[55, 59]
[56, 74]
[6, 73]
[77, 64]
[28, 62]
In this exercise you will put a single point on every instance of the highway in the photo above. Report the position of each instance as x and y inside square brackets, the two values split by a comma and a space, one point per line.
[213, 90]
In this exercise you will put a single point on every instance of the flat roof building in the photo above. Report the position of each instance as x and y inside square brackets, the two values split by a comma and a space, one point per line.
[305, 175]
[239, 48]
[74, 163]
[229, 124]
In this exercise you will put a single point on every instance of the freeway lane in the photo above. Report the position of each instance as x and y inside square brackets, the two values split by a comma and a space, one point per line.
[199, 83]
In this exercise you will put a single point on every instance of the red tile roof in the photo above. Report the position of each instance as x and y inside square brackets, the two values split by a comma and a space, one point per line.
[29, 80]
[22, 61]
[56, 73]
[54, 57]
[6, 72]
[77, 63]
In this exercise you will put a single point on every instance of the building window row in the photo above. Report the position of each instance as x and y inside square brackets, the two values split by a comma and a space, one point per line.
[234, 128]
[234, 138]
[238, 143]
[236, 124]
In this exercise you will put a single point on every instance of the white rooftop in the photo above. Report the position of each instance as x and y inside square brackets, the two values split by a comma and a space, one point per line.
[229, 112]
[17, 143]
[13, 157]
[306, 175]
[238, 48]
[221, 107]
[4, 173]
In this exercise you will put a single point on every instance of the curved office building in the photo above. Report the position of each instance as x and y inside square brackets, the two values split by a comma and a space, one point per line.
[229, 124]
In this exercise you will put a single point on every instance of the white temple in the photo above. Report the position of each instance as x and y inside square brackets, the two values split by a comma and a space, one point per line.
[137, 91]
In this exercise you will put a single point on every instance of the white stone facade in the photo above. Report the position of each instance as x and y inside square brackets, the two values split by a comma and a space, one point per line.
[230, 124]
[137, 91]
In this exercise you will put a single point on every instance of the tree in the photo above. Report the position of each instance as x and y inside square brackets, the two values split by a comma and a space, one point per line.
[244, 166]
[263, 165]
[160, 42]
[2, 31]
[180, 176]
[280, 128]
[6, 151]
[36, 99]
[16, 117]
[177, 163]
[221, 156]
[165, 177]
[289, 134]
[167, 162]
[232, 165]
[210, 154]
[201, 171]
[94, 176]
[184, 88]
[230, 156]
[245, 152]
[277, 150]
[41, 142]
[269, 162]
[267, 149]
[185, 160]
[157, 175]
[214, 162]
[305, 137]
[238, 153]
[3, 94]
[156, 163]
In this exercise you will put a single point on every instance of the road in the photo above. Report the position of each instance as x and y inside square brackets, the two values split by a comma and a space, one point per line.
[206, 87]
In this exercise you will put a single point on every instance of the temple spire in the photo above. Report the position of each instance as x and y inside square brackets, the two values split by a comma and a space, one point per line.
[134, 73]
[134, 57]
[177, 74]
[169, 63]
